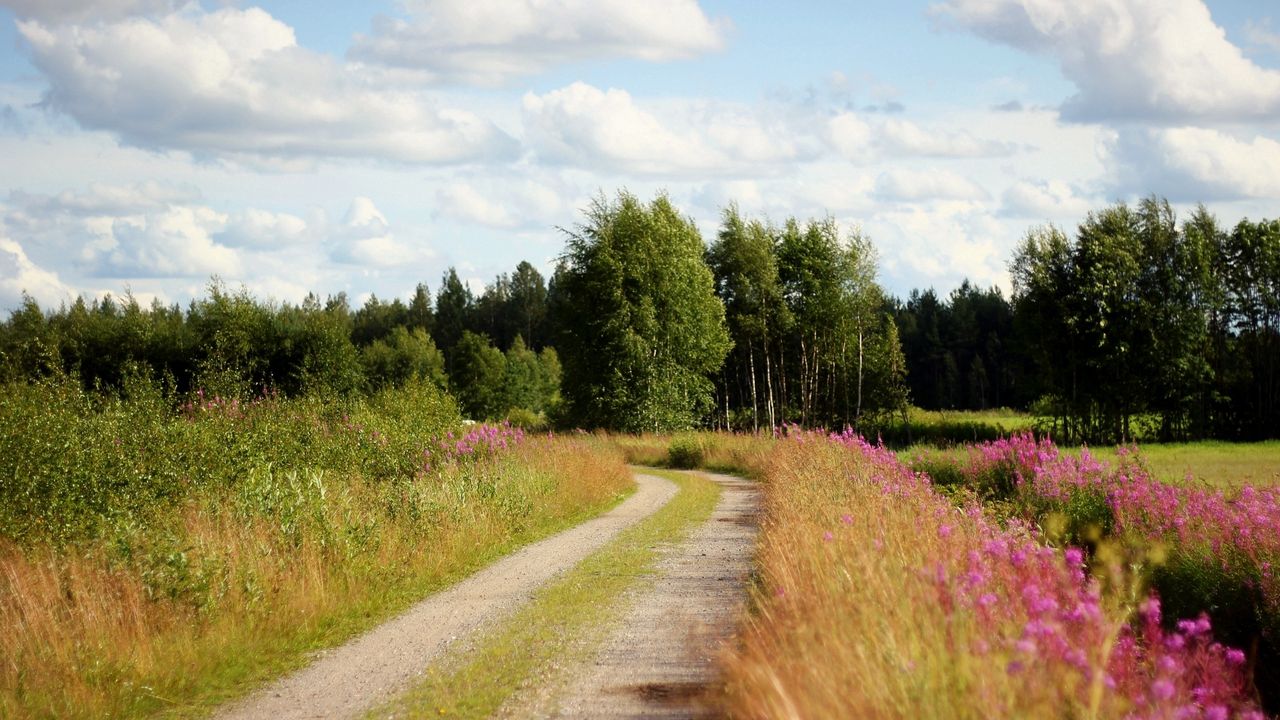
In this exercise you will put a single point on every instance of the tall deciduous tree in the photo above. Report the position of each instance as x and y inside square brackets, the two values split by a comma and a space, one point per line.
[641, 327]
[746, 275]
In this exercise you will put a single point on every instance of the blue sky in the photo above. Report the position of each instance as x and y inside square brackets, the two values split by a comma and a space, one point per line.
[148, 145]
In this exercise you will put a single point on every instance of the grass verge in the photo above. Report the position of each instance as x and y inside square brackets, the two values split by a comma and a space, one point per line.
[565, 621]
[244, 594]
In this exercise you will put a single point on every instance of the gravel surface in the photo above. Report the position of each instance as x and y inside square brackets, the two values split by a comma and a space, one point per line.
[659, 663]
[349, 680]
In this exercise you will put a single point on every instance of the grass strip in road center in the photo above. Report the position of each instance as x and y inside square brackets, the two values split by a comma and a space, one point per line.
[564, 622]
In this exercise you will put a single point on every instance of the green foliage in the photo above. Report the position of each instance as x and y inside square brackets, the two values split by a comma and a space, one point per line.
[76, 465]
[401, 357]
[453, 306]
[1138, 317]
[479, 376]
[532, 379]
[686, 451]
[640, 326]
[527, 420]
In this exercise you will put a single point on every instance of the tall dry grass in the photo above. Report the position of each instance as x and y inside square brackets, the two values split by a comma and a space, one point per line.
[880, 598]
[232, 594]
[740, 453]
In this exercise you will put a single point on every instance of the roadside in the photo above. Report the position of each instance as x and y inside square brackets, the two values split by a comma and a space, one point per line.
[350, 680]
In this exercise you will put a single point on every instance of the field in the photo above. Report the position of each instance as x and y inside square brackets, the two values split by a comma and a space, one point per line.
[1220, 464]
[1213, 463]
[1093, 591]
[161, 555]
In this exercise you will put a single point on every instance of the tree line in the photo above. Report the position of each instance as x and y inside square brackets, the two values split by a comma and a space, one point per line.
[231, 344]
[1138, 326]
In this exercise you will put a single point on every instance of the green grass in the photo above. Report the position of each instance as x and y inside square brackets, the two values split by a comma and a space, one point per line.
[949, 427]
[1216, 463]
[565, 621]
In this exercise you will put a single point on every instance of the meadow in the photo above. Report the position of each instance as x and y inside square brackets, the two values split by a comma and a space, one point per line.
[161, 554]
[998, 579]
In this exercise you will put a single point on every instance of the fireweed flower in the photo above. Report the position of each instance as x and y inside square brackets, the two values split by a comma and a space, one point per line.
[1035, 607]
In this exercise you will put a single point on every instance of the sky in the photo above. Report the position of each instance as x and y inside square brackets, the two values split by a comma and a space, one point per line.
[149, 146]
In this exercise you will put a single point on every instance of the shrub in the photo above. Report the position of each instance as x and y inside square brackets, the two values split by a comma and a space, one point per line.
[686, 452]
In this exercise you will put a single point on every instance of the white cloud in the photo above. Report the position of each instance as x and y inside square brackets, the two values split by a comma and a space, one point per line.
[942, 244]
[262, 228]
[587, 127]
[1043, 200]
[488, 41]
[903, 185]
[509, 204]
[74, 11]
[1131, 59]
[903, 137]
[175, 242]
[18, 275]
[144, 230]
[105, 198]
[1196, 164]
[862, 141]
[235, 83]
[851, 136]
[366, 238]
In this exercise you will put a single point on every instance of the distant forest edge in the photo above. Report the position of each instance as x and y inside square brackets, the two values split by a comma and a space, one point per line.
[1138, 327]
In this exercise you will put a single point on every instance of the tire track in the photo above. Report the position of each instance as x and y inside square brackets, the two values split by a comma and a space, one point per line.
[659, 663]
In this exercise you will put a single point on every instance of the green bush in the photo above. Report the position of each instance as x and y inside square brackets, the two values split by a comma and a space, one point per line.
[74, 465]
[527, 420]
[686, 452]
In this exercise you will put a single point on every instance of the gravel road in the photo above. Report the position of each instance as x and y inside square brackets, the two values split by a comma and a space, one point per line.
[349, 680]
[659, 662]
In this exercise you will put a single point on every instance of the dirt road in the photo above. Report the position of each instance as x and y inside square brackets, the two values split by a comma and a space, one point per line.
[658, 663]
[348, 681]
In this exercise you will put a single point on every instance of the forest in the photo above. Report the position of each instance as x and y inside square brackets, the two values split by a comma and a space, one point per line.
[1137, 326]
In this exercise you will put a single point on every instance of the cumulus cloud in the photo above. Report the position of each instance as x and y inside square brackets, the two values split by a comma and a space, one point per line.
[903, 137]
[942, 244]
[18, 275]
[235, 82]
[1196, 164]
[488, 41]
[506, 204]
[1131, 59]
[851, 136]
[145, 230]
[364, 237]
[264, 229]
[861, 140]
[174, 242]
[107, 199]
[1043, 200]
[902, 185]
[584, 126]
[76, 11]
[155, 231]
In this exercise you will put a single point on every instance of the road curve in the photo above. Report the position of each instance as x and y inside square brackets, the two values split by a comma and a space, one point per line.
[349, 680]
